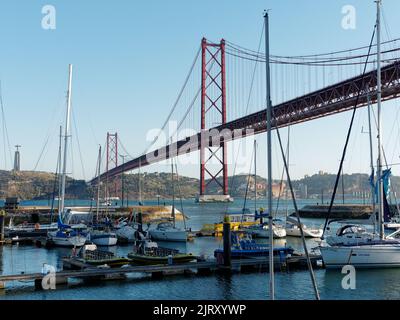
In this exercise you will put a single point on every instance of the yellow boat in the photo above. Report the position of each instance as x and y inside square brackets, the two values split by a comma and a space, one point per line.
[237, 222]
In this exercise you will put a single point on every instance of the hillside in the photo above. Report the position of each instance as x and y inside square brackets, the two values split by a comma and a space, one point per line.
[28, 185]
[40, 185]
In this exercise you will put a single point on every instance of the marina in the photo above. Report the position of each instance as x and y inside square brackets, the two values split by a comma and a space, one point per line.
[272, 176]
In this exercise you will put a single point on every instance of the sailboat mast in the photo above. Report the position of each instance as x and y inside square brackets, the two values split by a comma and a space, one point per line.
[371, 152]
[379, 99]
[98, 184]
[255, 177]
[66, 136]
[288, 161]
[140, 182]
[269, 160]
[173, 190]
[59, 170]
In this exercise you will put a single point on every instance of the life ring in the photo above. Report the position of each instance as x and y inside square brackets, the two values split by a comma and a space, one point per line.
[37, 226]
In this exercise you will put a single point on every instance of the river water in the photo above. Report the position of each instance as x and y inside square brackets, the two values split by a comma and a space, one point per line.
[291, 285]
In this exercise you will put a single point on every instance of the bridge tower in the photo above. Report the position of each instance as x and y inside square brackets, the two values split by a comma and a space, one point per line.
[112, 160]
[213, 106]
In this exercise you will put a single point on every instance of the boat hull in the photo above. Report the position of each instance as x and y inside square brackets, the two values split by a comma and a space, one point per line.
[126, 234]
[174, 236]
[264, 232]
[152, 260]
[105, 239]
[74, 241]
[308, 233]
[112, 263]
[366, 256]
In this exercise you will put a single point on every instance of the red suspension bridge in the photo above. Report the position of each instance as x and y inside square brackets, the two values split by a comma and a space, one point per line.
[226, 84]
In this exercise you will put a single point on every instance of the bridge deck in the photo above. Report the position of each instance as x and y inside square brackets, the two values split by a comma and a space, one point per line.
[334, 99]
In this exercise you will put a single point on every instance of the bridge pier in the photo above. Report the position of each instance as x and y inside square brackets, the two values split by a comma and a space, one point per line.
[204, 198]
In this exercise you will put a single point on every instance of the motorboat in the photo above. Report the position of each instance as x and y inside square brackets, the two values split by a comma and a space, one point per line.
[29, 230]
[246, 247]
[90, 254]
[236, 220]
[147, 252]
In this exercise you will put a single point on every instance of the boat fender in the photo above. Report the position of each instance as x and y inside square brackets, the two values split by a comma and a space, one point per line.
[37, 226]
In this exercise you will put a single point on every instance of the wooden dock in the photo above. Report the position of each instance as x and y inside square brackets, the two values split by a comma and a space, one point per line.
[78, 270]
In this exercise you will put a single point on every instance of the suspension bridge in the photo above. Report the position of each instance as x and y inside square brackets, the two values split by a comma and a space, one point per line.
[223, 99]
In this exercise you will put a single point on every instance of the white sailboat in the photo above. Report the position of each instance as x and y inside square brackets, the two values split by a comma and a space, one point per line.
[66, 236]
[379, 251]
[261, 230]
[125, 230]
[100, 236]
[293, 229]
[167, 231]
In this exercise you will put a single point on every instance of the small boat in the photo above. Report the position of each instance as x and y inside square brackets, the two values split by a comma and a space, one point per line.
[68, 236]
[246, 247]
[392, 224]
[237, 221]
[125, 230]
[148, 252]
[29, 230]
[351, 234]
[293, 229]
[166, 231]
[103, 237]
[262, 231]
[89, 254]
[126, 234]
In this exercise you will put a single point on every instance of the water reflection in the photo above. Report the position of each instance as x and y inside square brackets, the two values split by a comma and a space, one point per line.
[224, 283]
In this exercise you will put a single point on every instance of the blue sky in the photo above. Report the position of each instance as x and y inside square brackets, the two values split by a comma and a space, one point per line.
[130, 59]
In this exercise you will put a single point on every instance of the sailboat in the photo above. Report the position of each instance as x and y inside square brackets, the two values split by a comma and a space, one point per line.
[167, 231]
[292, 226]
[99, 234]
[65, 235]
[261, 230]
[293, 229]
[380, 251]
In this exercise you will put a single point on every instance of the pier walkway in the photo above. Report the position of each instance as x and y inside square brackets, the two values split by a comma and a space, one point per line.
[158, 271]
